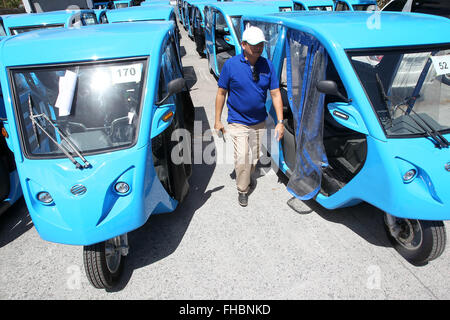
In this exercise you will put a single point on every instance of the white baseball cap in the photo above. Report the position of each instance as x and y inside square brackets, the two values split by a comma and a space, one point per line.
[253, 35]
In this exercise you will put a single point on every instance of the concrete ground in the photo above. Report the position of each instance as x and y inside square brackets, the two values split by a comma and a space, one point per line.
[211, 248]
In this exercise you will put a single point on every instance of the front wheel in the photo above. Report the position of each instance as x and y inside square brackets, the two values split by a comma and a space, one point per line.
[103, 262]
[418, 241]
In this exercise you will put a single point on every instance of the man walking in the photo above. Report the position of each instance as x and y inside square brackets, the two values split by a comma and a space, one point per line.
[246, 79]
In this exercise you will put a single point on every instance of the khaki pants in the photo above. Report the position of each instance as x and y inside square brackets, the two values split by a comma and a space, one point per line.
[247, 145]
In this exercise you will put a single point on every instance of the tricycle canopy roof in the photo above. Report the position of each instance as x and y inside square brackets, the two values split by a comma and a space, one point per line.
[96, 42]
[43, 18]
[154, 12]
[244, 7]
[359, 30]
[33, 6]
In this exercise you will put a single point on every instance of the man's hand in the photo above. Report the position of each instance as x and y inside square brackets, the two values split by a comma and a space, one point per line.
[218, 126]
[279, 131]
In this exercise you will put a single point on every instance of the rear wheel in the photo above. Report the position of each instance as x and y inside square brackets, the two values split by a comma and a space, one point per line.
[103, 262]
[418, 241]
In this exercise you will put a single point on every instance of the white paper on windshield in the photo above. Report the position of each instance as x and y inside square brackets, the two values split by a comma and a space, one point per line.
[441, 64]
[67, 85]
[126, 73]
[130, 117]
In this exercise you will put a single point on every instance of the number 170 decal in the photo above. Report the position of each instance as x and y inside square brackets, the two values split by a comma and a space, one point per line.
[126, 73]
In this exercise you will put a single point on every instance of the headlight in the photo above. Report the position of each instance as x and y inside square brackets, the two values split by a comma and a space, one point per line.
[122, 188]
[409, 175]
[44, 197]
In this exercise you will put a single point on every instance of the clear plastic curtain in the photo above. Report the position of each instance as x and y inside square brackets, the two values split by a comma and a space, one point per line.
[306, 65]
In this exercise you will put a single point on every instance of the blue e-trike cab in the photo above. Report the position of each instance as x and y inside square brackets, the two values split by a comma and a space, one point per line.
[223, 28]
[90, 117]
[367, 117]
[192, 15]
[25, 22]
[197, 26]
[313, 5]
[355, 5]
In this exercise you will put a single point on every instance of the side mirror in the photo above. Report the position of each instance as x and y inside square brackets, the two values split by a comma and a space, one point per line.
[173, 87]
[330, 87]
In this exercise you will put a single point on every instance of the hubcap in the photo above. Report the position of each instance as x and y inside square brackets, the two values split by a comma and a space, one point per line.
[408, 233]
[112, 255]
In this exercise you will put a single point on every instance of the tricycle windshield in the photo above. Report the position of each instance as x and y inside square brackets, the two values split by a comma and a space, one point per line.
[18, 30]
[408, 88]
[320, 8]
[121, 5]
[93, 106]
[364, 7]
[236, 20]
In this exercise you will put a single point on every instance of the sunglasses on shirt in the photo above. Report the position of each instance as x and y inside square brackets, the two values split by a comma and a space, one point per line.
[255, 75]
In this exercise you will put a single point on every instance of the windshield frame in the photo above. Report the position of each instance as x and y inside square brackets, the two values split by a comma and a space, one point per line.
[18, 118]
[390, 50]
[237, 29]
[30, 28]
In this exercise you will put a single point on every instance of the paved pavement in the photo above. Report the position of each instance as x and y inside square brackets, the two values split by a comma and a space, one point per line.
[211, 248]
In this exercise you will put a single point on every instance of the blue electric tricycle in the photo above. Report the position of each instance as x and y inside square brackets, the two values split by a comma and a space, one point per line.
[367, 117]
[223, 28]
[197, 26]
[91, 118]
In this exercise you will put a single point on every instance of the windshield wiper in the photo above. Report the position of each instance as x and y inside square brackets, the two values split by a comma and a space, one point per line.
[64, 138]
[383, 94]
[411, 101]
[440, 141]
[33, 125]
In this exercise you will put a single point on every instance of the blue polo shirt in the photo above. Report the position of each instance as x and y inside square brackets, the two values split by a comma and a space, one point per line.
[247, 98]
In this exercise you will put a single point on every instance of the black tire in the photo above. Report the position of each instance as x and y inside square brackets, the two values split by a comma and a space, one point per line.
[419, 241]
[98, 272]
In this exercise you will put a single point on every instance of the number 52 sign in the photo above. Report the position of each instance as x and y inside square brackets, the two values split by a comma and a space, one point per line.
[441, 64]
